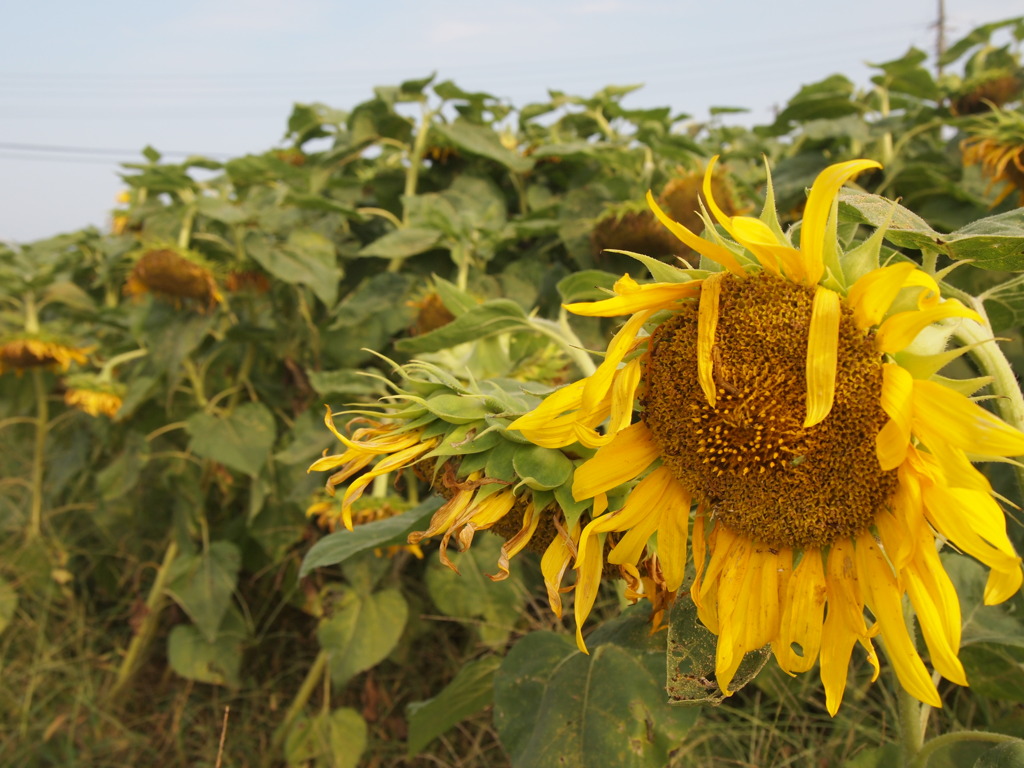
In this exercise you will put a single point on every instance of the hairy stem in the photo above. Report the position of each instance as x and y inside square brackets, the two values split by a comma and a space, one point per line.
[35, 519]
[141, 640]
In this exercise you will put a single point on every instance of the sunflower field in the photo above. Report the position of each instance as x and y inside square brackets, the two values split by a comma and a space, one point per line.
[453, 433]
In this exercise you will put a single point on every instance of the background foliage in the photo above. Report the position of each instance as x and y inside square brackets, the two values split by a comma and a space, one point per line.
[163, 581]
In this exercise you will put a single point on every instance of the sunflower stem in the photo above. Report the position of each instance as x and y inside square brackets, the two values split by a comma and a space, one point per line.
[35, 520]
[297, 705]
[141, 640]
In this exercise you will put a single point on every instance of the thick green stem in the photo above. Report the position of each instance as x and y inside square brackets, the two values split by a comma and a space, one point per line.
[35, 519]
[140, 642]
[921, 758]
[297, 705]
[911, 726]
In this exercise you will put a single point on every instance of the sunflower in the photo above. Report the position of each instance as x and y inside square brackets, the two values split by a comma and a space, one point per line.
[175, 275]
[39, 350]
[453, 437]
[780, 396]
[94, 395]
[996, 143]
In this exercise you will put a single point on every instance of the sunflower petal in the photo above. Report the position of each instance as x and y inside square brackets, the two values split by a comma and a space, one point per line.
[588, 579]
[899, 330]
[883, 595]
[945, 414]
[717, 253]
[625, 457]
[892, 441]
[872, 295]
[822, 354]
[938, 610]
[803, 614]
[707, 321]
[633, 297]
[818, 209]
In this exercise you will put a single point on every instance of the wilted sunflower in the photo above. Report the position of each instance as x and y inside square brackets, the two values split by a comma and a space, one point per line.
[779, 396]
[175, 275]
[39, 350]
[94, 395]
[453, 437]
[996, 144]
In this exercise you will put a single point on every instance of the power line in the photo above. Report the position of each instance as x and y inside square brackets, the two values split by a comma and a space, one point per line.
[59, 149]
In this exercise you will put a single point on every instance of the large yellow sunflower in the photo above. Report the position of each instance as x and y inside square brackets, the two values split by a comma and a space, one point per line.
[779, 396]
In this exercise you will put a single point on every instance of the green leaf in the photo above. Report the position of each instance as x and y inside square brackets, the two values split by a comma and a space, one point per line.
[586, 285]
[690, 655]
[1008, 755]
[480, 322]
[483, 141]
[241, 441]
[470, 691]
[311, 202]
[992, 645]
[219, 209]
[362, 630]
[305, 258]
[215, 660]
[202, 585]
[884, 756]
[8, 603]
[122, 474]
[334, 739]
[995, 242]
[402, 243]
[341, 545]
[493, 607]
[344, 382]
[1004, 304]
[555, 707]
[541, 468]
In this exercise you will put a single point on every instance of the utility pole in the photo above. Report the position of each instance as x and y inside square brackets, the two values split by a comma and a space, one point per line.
[940, 38]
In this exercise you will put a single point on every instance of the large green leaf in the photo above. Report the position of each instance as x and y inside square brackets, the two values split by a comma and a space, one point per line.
[202, 585]
[483, 141]
[402, 243]
[691, 659]
[995, 242]
[555, 707]
[1005, 304]
[362, 630]
[341, 545]
[470, 691]
[215, 660]
[493, 608]
[305, 258]
[241, 441]
[494, 317]
[992, 645]
[334, 739]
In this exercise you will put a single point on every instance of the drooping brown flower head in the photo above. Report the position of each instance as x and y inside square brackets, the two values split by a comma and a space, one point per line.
[18, 354]
[93, 395]
[174, 275]
[633, 228]
[996, 143]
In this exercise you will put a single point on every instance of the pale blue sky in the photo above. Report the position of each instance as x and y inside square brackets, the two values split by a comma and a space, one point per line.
[219, 77]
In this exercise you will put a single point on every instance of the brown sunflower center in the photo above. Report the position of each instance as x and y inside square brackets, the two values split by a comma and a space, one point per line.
[749, 457]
